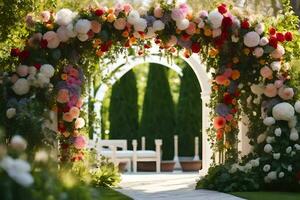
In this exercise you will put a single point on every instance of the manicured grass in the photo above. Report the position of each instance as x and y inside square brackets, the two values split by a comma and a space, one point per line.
[267, 195]
[110, 194]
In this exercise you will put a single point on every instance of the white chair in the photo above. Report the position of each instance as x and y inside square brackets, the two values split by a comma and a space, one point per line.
[146, 155]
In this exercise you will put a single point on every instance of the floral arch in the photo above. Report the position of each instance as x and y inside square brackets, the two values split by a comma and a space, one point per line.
[248, 63]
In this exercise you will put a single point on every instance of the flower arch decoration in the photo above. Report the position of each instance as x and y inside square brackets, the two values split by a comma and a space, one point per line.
[249, 67]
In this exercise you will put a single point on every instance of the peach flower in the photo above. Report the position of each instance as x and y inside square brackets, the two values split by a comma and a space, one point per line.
[79, 142]
[95, 26]
[227, 72]
[120, 23]
[219, 122]
[63, 96]
[127, 7]
[74, 72]
[172, 41]
[191, 29]
[67, 117]
[45, 16]
[278, 53]
[266, 72]
[270, 90]
[79, 123]
[279, 83]
[74, 111]
[79, 103]
[235, 74]
[221, 80]
[52, 39]
[158, 12]
[286, 93]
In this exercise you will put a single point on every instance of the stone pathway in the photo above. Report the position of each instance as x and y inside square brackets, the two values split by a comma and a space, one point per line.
[167, 186]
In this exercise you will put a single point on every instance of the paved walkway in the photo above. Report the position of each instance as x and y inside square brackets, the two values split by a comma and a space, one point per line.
[167, 186]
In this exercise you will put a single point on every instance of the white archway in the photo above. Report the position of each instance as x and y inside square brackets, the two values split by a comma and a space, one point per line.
[204, 77]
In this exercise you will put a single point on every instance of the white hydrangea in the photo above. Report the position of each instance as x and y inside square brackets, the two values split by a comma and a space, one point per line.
[63, 33]
[277, 132]
[215, 18]
[140, 24]
[82, 26]
[41, 156]
[233, 169]
[22, 70]
[260, 28]
[267, 168]
[42, 80]
[281, 175]
[269, 121]
[276, 156]
[71, 32]
[297, 106]
[32, 70]
[47, 70]
[21, 86]
[133, 17]
[268, 148]
[10, 113]
[283, 111]
[272, 175]
[64, 17]
[276, 65]
[182, 24]
[294, 135]
[158, 25]
[248, 167]
[251, 39]
[83, 37]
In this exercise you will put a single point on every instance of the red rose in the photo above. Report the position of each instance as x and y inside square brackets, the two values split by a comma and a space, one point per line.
[272, 31]
[62, 128]
[224, 35]
[66, 109]
[226, 22]
[43, 44]
[288, 36]
[219, 42]
[233, 110]
[280, 37]
[15, 52]
[99, 12]
[222, 9]
[24, 55]
[227, 99]
[147, 46]
[37, 66]
[185, 37]
[273, 41]
[195, 47]
[104, 47]
[245, 24]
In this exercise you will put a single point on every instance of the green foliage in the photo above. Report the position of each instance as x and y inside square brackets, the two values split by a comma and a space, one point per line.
[189, 112]
[123, 110]
[158, 118]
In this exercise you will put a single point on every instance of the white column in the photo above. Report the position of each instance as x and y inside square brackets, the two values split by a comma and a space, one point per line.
[134, 156]
[196, 157]
[206, 146]
[158, 144]
[176, 159]
[143, 143]
[243, 146]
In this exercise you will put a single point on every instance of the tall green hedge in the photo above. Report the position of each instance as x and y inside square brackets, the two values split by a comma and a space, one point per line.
[158, 117]
[123, 109]
[189, 112]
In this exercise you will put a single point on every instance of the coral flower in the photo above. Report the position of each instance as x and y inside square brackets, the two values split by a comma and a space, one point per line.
[220, 134]
[67, 117]
[221, 79]
[64, 77]
[219, 122]
[79, 142]
[235, 74]
[63, 96]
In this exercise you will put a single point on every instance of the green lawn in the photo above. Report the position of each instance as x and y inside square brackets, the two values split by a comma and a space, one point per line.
[110, 194]
[267, 195]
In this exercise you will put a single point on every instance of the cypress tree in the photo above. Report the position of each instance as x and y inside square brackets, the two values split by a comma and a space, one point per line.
[189, 112]
[158, 117]
[123, 109]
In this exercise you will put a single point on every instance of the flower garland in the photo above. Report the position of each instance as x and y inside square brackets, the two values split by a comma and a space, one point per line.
[247, 64]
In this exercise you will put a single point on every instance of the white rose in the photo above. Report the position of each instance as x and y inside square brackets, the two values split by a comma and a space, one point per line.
[21, 86]
[251, 39]
[32, 70]
[158, 25]
[258, 52]
[18, 143]
[263, 41]
[272, 175]
[234, 38]
[64, 17]
[182, 24]
[267, 168]
[201, 24]
[133, 17]
[297, 146]
[10, 113]
[140, 25]
[22, 70]
[24, 179]
[260, 28]
[248, 167]
[269, 121]
[276, 66]
[257, 89]
[233, 169]
[216, 32]
[268, 148]
[290, 168]
[281, 174]
[288, 150]
[52, 39]
[41, 156]
[71, 32]
[82, 26]
[297, 106]
[42, 80]
[277, 132]
[47, 70]
[278, 52]
[255, 162]
[83, 37]
[215, 18]
[270, 139]
[63, 33]
[261, 138]
[283, 111]
[276, 156]
[293, 122]
[294, 135]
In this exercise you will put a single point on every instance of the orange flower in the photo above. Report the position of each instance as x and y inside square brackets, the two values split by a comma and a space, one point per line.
[125, 34]
[219, 122]
[227, 128]
[235, 74]
[111, 11]
[132, 40]
[215, 87]
[207, 32]
[227, 82]
[213, 52]
[97, 42]
[49, 26]
[220, 134]
[178, 31]
[64, 77]
[262, 61]
[99, 52]
[111, 18]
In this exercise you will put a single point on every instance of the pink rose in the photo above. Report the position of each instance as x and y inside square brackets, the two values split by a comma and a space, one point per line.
[203, 14]
[279, 83]
[79, 142]
[127, 8]
[79, 123]
[278, 53]
[95, 26]
[79, 103]
[45, 15]
[158, 12]
[286, 93]
[191, 29]
[67, 117]
[184, 8]
[270, 90]
[229, 117]
[74, 111]
[22, 70]
[266, 72]
[52, 39]
[120, 23]
[63, 96]
[221, 79]
[178, 14]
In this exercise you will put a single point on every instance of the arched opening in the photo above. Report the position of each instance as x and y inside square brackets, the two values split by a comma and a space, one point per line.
[127, 63]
